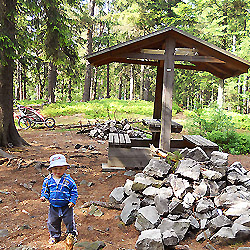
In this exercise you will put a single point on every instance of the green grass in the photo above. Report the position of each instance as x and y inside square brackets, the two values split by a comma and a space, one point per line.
[102, 109]
[241, 121]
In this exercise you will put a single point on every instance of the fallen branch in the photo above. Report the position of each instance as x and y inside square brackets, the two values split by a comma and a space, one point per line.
[102, 204]
[101, 231]
[68, 126]
[83, 131]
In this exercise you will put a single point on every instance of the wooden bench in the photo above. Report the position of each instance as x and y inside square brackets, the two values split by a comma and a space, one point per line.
[199, 141]
[192, 141]
[125, 152]
[119, 140]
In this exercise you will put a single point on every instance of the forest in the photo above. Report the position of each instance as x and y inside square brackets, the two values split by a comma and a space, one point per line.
[53, 37]
[44, 44]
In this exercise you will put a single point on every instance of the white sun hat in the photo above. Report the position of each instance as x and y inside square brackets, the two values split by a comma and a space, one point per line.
[57, 160]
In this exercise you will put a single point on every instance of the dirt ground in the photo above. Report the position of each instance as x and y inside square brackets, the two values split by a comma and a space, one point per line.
[24, 216]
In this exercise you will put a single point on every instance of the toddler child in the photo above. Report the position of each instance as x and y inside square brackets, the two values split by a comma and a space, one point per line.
[61, 191]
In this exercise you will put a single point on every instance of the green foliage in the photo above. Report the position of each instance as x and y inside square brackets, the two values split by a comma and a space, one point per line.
[176, 107]
[7, 46]
[215, 125]
[233, 142]
[241, 121]
[207, 120]
[173, 160]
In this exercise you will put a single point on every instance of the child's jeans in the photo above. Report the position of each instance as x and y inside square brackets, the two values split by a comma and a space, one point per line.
[56, 215]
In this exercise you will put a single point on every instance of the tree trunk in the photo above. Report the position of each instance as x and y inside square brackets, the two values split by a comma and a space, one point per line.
[45, 79]
[239, 92]
[146, 89]
[131, 89]
[125, 90]
[39, 81]
[86, 94]
[8, 132]
[19, 81]
[52, 82]
[95, 84]
[24, 77]
[120, 89]
[244, 95]
[70, 90]
[108, 83]
[220, 93]
[142, 81]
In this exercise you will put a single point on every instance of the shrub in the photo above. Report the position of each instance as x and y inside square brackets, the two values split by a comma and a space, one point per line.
[207, 120]
[233, 142]
[215, 125]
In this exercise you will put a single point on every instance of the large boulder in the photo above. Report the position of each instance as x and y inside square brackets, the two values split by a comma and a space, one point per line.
[189, 168]
[157, 168]
[147, 218]
[150, 239]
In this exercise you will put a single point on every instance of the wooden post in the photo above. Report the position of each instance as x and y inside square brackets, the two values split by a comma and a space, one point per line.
[168, 80]
[158, 93]
[158, 102]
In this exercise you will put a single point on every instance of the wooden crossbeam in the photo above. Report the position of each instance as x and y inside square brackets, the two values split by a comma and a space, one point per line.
[205, 59]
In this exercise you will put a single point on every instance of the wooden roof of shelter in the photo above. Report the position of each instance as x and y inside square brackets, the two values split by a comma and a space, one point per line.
[168, 49]
[203, 56]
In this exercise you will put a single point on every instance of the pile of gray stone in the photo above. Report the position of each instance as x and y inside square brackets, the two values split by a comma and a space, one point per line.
[202, 195]
[101, 130]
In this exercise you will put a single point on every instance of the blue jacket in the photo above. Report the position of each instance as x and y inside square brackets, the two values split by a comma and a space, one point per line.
[62, 194]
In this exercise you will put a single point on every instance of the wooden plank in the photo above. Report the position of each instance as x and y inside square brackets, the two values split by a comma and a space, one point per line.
[142, 56]
[139, 142]
[198, 59]
[111, 138]
[206, 141]
[116, 139]
[192, 139]
[141, 62]
[200, 141]
[155, 125]
[127, 139]
[121, 138]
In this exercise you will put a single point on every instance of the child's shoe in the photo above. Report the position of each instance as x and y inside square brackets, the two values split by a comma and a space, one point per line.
[70, 241]
[53, 240]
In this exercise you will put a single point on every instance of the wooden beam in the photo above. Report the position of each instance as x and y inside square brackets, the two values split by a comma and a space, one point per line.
[191, 67]
[148, 56]
[141, 62]
[142, 56]
[168, 80]
[204, 59]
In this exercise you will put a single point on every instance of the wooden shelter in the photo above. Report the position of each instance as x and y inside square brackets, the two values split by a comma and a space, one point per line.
[168, 49]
